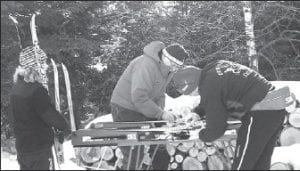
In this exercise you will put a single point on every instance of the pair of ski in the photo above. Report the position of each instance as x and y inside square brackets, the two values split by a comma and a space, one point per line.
[57, 148]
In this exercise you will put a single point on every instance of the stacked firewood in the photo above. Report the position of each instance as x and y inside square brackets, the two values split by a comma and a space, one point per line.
[105, 157]
[191, 155]
[197, 155]
[291, 131]
[289, 135]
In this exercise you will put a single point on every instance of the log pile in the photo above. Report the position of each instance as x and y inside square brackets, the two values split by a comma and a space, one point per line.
[201, 156]
[291, 131]
[106, 157]
[191, 155]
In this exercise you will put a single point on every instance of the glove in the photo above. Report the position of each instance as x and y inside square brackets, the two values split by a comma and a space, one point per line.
[200, 111]
[168, 116]
[191, 117]
[61, 137]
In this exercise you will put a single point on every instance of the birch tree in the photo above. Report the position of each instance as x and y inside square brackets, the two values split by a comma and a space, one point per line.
[253, 60]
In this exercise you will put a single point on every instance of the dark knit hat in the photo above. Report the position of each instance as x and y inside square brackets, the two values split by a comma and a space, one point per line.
[177, 51]
[28, 57]
[186, 80]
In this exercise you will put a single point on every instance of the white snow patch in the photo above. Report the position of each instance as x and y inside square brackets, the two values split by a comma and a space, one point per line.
[287, 154]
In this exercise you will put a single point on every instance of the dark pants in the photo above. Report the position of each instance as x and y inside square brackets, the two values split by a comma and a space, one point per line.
[42, 160]
[161, 158]
[257, 138]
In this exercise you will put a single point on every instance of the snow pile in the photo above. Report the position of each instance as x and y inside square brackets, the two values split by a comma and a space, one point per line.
[287, 154]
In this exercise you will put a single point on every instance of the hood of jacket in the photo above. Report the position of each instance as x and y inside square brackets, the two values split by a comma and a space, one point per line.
[151, 50]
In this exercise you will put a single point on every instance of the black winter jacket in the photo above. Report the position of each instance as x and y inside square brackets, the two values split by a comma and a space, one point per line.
[228, 90]
[33, 116]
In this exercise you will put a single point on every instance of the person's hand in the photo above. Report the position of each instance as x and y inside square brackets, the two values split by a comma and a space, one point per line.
[168, 116]
[191, 117]
[61, 137]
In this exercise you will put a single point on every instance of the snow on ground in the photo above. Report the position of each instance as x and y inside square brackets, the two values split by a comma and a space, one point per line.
[286, 154]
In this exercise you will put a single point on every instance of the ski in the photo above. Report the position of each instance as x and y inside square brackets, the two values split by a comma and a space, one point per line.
[58, 147]
[69, 97]
[45, 84]
[70, 107]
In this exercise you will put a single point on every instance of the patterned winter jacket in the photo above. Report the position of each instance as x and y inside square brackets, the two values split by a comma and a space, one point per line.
[228, 89]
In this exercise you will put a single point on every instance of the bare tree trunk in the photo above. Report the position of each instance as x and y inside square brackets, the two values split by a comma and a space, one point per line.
[253, 60]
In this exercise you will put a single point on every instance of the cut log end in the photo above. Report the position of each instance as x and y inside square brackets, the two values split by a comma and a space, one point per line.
[191, 163]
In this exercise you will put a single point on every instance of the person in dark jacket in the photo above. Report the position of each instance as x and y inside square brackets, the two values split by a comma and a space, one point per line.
[229, 90]
[140, 93]
[33, 115]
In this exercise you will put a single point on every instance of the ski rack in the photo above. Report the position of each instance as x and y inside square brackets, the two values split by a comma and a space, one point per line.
[140, 133]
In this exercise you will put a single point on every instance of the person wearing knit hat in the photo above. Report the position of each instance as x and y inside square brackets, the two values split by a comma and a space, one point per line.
[33, 114]
[228, 91]
[174, 56]
[140, 93]
[186, 80]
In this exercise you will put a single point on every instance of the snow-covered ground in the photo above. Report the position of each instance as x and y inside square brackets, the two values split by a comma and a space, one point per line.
[285, 154]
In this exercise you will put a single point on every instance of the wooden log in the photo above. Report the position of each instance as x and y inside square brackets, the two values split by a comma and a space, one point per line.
[281, 166]
[118, 164]
[219, 144]
[174, 166]
[226, 143]
[106, 153]
[90, 154]
[175, 144]
[289, 136]
[114, 147]
[193, 152]
[189, 144]
[147, 159]
[209, 143]
[119, 153]
[214, 162]
[229, 152]
[210, 150]
[146, 148]
[102, 165]
[191, 163]
[233, 143]
[172, 159]
[201, 156]
[183, 148]
[226, 161]
[199, 144]
[179, 158]
[294, 120]
[170, 149]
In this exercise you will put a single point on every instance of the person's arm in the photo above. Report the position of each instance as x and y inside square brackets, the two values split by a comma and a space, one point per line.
[46, 111]
[142, 83]
[162, 101]
[215, 112]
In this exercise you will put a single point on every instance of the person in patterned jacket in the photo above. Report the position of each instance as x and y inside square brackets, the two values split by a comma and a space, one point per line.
[229, 90]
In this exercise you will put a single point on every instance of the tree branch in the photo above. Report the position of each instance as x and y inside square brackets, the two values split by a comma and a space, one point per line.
[271, 63]
[276, 40]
